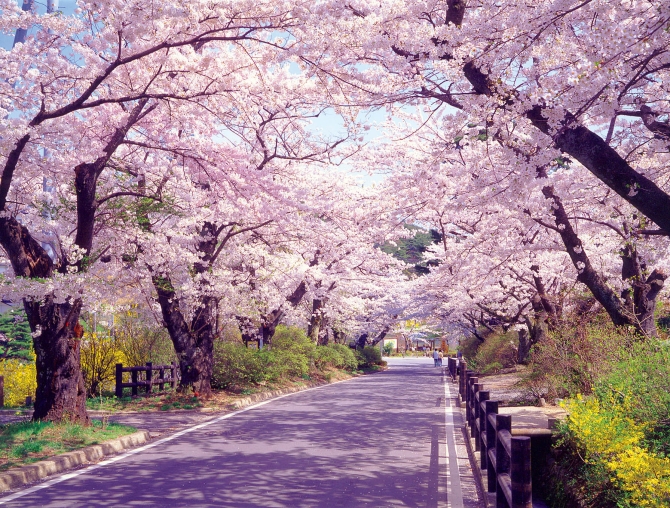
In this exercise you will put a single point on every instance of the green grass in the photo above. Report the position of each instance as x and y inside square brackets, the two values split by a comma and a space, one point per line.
[26, 442]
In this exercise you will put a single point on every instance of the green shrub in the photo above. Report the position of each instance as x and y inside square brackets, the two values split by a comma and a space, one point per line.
[235, 364]
[327, 357]
[498, 351]
[292, 338]
[643, 379]
[571, 359]
[285, 364]
[349, 361]
[369, 356]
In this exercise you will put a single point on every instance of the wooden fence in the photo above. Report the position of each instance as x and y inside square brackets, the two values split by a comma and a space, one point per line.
[505, 458]
[149, 380]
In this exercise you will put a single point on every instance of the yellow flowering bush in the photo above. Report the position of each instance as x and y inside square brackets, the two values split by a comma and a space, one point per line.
[20, 381]
[607, 436]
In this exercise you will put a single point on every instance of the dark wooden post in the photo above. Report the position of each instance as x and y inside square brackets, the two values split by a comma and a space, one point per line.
[471, 400]
[480, 415]
[149, 376]
[133, 375]
[2, 391]
[491, 408]
[466, 394]
[520, 473]
[476, 386]
[119, 380]
[461, 379]
[161, 373]
[503, 422]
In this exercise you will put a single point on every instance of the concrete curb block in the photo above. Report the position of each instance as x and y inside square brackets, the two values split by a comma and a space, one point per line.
[15, 478]
[260, 397]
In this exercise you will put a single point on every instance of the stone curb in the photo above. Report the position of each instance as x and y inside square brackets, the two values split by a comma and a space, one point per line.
[19, 477]
[260, 397]
[15, 478]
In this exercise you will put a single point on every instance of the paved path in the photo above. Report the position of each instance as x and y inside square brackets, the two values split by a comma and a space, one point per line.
[375, 441]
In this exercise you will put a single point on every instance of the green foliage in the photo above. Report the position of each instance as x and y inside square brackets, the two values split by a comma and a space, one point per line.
[369, 356]
[388, 348]
[327, 357]
[349, 361]
[643, 379]
[411, 250]
[18, 342]
[571, 359]
[615, 445]
[235, 364]
[133, 343]
[292, 338]
[498, 351]
[292, 355]
[469, 346]
[25, 442]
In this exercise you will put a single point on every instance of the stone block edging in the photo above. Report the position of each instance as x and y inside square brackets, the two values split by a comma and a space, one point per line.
[18, 477]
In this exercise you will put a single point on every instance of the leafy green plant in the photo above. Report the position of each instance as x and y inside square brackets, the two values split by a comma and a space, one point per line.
[15, 339]
[349, 361]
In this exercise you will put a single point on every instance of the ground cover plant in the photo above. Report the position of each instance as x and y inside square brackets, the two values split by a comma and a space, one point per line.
[27, 442]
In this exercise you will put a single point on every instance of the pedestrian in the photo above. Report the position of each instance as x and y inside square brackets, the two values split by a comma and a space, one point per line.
[440, 356]
[436, 356]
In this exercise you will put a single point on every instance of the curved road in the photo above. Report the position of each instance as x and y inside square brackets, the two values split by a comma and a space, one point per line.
[389, 439]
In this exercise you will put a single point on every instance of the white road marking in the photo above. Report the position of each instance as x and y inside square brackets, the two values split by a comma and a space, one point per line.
[74, 474]
[455, 493]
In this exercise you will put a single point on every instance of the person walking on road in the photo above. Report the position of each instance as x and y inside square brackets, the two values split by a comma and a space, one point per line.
[436, 356]
[439, 360]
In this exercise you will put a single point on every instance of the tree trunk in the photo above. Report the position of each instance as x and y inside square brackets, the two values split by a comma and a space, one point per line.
[316, 319]
[524, 346]
[645, 290]
[194, 345]
[61, 394]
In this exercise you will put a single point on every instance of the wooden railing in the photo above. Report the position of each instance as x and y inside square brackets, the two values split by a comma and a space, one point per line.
[149, 380]
[505, 458]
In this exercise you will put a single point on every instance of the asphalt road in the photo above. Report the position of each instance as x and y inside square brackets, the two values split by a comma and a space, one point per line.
[389, 439]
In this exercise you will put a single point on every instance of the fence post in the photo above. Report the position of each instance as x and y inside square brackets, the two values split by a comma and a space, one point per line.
[491, 408]
[520, 473]
[2, 391]
[133, 375]
[476, 386]
[149, 377]
[471, 400]
[119, 380]
[503, 422]
[461, 379]
[480, 416]
[466, 391]
[161, 373]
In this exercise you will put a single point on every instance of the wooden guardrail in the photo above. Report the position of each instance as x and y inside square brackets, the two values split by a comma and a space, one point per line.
[149, 380]
[505, 458]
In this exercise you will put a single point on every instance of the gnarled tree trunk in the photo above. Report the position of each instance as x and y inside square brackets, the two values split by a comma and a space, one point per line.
[61, 394]
[193, 344]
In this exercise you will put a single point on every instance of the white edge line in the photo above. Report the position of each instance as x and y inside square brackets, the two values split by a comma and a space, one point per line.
[74, 474]
[455, 492]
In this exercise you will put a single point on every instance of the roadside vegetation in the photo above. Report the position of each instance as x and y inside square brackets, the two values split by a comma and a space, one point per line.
[613, 449]
[28, 442]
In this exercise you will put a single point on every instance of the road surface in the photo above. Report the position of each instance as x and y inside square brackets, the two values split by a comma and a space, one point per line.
[389, 439]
